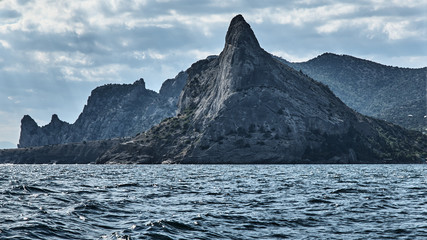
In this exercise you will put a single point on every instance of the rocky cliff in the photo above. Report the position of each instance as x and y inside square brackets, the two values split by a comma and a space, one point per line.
[33, 135]
[247, 107]
[113, 110]
[394, 94]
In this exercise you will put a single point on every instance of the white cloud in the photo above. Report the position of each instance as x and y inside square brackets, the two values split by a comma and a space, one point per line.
[73, 58]
[156, 55]
[398, 30]
[139, 55]
[394, 28]
[301, 16]
[331, 26]
[198, 54]
[14, 99]
[378, 4]
[4, 44]
[293, 57]
[41, 57]
[104, 73]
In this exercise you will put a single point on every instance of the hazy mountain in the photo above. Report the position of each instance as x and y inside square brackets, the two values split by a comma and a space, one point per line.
[113, 110]
[247, 107]
[4, 145]
[394, 94]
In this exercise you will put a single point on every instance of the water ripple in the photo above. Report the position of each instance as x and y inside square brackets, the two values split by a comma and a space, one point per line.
[213, 202]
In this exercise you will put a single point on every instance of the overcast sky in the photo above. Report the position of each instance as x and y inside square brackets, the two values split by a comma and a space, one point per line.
[53, 53]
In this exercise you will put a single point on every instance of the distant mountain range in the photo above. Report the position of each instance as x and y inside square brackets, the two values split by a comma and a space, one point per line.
[243, 106]
[394, 94]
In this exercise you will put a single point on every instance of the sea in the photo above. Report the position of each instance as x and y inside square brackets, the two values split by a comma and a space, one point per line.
[213, 202]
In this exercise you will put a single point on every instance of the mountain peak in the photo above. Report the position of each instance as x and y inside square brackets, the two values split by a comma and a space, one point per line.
[140, 82]
[55, 118]
[240, 33]
[28, 122]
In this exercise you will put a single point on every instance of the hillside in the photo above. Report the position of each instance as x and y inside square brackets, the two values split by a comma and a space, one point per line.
[394, 94]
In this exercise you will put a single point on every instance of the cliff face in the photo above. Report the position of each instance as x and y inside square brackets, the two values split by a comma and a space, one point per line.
[393, 94]
[171, 88]
[112, 111]
[33, 135]
[119, 110]
[247, 107]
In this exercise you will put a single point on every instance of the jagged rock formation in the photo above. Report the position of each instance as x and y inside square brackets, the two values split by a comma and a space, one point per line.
[394, 94]
[33, 135]
[247, 107]
[113, 110]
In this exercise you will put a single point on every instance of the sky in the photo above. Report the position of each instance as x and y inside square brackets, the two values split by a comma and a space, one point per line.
[54, 52]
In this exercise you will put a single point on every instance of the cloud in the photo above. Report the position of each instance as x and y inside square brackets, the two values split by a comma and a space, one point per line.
[9, 14]
[4, 44]
[372, 27]
[302, 16]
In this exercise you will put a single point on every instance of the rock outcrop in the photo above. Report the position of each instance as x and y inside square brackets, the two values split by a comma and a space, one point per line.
[70, 153]
[394, 94]
[113, 110]
[247, 107]
[53, 133]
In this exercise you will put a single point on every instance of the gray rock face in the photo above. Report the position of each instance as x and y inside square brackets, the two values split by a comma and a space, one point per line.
[247, 107]
[33, 135]
[171, 88]
[112, 111]
[394, 94]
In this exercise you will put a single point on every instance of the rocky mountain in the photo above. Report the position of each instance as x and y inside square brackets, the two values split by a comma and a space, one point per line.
[394, 94]
[113, 110]
[247, 107]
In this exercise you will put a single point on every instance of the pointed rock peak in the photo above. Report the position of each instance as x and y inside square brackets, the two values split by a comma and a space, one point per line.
[28, 123]
[27, 119]
[55, 118]
[139, 82]
[240, 33]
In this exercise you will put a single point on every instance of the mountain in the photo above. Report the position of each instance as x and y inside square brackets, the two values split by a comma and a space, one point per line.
[113, 110]
[245, 106]
[394, 94]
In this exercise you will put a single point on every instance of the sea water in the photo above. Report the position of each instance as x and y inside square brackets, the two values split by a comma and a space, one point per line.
[213, 202]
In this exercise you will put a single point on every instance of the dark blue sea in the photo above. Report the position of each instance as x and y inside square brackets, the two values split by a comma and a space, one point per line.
[213, 202]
